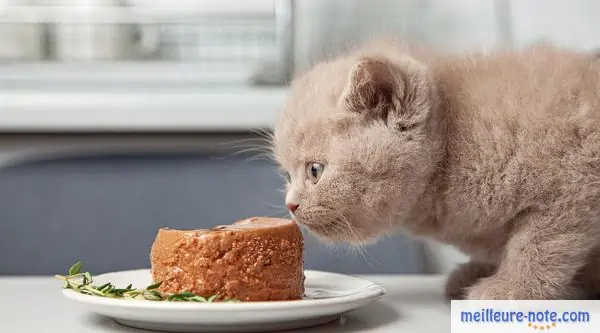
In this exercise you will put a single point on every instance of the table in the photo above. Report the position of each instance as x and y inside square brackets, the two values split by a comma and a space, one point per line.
[413, 303]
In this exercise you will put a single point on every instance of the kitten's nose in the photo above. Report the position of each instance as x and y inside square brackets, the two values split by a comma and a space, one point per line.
[293, 207]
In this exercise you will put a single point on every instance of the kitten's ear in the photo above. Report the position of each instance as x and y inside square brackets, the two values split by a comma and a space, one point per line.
[378, 88]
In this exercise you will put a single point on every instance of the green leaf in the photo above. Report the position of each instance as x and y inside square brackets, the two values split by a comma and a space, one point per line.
[75, 268]
[90, 291]
[197, 299]
[119, 292]
[152, 295]
[183, 296]
[154, 286]
[109, 290]
[157, 295]
[71, 285]
[87, 278]
[102, 287]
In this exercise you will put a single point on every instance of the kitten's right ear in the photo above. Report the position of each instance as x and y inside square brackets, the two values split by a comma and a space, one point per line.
[371, 87]
[378, 88]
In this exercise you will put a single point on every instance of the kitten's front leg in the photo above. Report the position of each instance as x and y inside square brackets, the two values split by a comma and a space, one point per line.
[465, 276]
[541, 259]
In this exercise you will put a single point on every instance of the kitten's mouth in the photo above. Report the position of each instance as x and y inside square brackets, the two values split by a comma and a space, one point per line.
[320, 228]
[312, 225]
[329, 231]
[303, 222]
[332, 231]
[320, 225]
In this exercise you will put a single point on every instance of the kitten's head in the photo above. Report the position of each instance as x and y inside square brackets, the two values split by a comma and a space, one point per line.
[354, 139]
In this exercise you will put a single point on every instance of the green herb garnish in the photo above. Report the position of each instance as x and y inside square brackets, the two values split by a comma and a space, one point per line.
[81, 282]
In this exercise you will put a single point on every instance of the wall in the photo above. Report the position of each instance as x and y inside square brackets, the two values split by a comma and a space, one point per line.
[323, 28]
[572, 24]
[105, 210]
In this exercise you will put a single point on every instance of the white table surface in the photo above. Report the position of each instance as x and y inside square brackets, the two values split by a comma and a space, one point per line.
[413, 303]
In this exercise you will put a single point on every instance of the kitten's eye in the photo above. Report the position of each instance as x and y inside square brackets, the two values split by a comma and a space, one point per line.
[314, 171]
[288, 177]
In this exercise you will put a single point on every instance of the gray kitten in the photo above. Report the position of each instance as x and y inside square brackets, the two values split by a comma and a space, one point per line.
[498, 155]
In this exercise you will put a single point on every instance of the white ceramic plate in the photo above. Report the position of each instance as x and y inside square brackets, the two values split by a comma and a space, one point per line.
[328, 296]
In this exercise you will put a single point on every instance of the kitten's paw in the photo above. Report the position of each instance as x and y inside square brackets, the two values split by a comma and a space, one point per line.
[465, 276]
[496, 288]
[492, 288]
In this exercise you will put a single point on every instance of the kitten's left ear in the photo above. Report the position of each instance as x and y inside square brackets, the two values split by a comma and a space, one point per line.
[400, 94]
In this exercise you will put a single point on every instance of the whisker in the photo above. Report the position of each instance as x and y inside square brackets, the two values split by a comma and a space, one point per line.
[264, 134]
[344, 234]
[262, 144]
[249, 149]
[338, 230]
[253, 158]
[274, 206]
[243, 151]
[344, 230]
[359, 246]
[256, 141]
[342, 224]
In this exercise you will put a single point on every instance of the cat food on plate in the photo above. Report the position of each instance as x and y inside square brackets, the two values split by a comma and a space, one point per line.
[257, 259]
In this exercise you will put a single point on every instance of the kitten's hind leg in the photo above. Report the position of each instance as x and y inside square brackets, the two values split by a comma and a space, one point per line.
[464, 276]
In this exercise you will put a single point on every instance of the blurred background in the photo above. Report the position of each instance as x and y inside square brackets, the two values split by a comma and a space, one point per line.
[121, 117]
